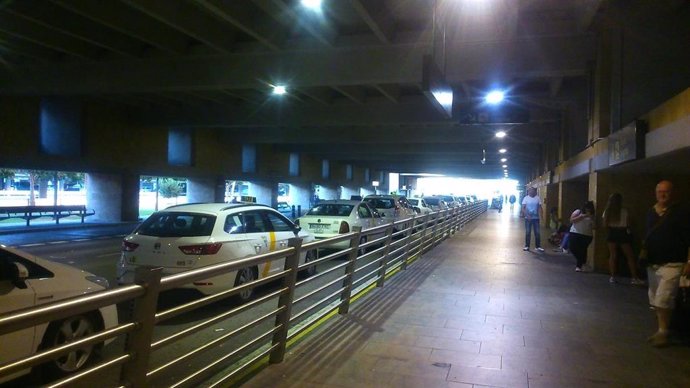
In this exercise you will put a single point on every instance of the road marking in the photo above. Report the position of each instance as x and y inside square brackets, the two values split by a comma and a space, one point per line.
[82, 239]
[109, 254]
[32, 245]
[57, 242]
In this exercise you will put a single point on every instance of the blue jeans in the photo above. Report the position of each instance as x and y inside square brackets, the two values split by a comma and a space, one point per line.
[529, 225]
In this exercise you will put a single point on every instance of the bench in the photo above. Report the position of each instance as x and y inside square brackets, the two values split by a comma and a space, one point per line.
[29, 213]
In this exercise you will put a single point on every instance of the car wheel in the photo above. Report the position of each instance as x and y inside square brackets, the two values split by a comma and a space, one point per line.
[68, 330]
[311, 270]
[362, 241]
[244, 276]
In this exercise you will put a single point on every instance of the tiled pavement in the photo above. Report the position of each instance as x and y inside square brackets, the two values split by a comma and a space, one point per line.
[478, 311]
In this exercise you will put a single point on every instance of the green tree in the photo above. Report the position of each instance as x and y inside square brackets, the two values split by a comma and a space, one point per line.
[169, 188]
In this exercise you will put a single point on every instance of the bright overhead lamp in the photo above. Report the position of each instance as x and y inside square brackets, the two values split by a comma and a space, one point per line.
[502, 151]
[494, 97]
[500, 134]
[503, 160]
[279, 90]
[505, 166]
[312, 4]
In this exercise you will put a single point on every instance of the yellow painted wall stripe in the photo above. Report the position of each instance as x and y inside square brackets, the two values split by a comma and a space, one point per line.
[271, 248]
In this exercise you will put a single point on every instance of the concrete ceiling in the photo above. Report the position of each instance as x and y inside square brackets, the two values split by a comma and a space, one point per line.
[353, 71]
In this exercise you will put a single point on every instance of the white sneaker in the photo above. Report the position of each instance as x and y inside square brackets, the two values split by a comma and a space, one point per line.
[525, 249]
[637, 282]
[540, 249]
[612, 280]
[578, 269]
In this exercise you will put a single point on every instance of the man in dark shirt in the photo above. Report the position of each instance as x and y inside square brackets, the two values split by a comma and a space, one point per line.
[667, 251]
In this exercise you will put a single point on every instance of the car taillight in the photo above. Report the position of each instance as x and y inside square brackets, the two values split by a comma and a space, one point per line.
[128, 246]
[344, 227]
[201, 249]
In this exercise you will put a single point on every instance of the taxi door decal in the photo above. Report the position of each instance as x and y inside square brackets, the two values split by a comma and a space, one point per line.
[271, 248]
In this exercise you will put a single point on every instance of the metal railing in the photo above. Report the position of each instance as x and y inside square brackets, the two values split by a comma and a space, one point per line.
[300, 303]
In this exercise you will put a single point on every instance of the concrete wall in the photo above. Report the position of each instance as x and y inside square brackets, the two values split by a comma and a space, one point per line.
[266, 193]
[347, 192]
[300, 193]
[104, 193]
[201, 190]
[328, 192]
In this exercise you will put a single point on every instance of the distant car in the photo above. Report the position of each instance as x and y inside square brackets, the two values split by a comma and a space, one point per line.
[392, 207]
[450, 200]
[436, 203]
[285, 209]
[27, 281]
[420, 206]
[462, 200]
[334, 217]
[184, 237]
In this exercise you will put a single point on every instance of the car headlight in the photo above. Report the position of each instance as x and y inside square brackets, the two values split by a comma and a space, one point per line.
[101, 281]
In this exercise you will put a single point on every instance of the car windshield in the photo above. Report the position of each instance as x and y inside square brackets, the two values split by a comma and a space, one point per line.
[381, 203]
[331, 209]
[432, 201]
[174, 224]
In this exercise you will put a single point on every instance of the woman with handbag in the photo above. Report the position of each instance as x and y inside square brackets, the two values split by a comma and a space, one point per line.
[617, 223]
[666, 254]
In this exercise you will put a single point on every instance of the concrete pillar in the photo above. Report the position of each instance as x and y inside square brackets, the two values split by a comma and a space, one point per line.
[364, 191]
[551, 200]
[347, 192]
[219, 189]
[328, 192]
[266, 193]
[597, 254]
[300, 194]
[201, 190]
[104, 194]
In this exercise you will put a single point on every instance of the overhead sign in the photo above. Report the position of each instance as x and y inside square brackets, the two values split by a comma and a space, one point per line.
[493, 115]
[627, 144]
[435, 87]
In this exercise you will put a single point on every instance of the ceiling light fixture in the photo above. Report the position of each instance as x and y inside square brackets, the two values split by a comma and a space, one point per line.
[503, 160]
[494, 97]
[500, 134]
[312, 4]
[502, 151]
[279, 90]
[505, 166]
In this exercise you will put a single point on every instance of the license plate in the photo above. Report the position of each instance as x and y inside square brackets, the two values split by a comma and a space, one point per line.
[317, 228]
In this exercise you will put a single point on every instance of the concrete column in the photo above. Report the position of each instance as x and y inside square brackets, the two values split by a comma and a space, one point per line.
[364, 191]
[598, 192]
[328, 192]
[219, 190]
[300, 194]
[348, 192]
[551, 200]
[105, 194]
[266, 193]
[201, 190]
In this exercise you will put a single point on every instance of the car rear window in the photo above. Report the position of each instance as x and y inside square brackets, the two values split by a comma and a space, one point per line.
[174, 224]
[331, 209]
[432, 201]
[381, 203]
[414, 202]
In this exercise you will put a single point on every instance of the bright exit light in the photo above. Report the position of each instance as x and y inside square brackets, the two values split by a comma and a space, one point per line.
[494, 97]
[502, 150]
[500, 134]
[503, 160]
[279, 90]
[312, 4]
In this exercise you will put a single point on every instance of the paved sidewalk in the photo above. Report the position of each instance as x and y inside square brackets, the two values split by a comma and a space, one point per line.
[478, 311]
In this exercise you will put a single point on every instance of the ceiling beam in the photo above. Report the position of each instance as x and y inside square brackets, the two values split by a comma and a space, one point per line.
[394, 64]
[376, 16]
[188, 19]
[236, 14]
[128, 21]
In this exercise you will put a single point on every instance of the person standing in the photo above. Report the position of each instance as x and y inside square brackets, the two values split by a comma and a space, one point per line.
[582, 221]
[666, 251]
[617, 223]
[532, 211]
[512, 201]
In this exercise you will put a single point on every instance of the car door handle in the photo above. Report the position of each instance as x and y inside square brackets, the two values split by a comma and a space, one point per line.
[283, 243]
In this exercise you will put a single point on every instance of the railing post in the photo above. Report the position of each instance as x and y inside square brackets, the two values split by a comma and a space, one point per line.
[435, 229]
[422, 240]
[408, 237]
[383, 264]
[285, 300]
[350, 271]
[138, 343]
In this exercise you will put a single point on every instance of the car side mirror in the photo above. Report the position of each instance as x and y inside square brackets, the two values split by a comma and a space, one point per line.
[19, 274]
[297, 229]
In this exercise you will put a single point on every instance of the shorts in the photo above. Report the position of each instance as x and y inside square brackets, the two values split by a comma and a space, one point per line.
[619, 236]
[663, 284]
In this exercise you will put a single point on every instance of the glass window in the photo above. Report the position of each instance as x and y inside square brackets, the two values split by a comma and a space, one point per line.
[364, 211]
[381, 203]
[174, 224]
[233, 224]
[7, 259]
[331, 209]
[278, 223]
[254, 223]
[415, 202]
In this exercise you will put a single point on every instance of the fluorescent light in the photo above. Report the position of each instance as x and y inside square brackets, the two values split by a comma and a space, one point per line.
[503, 160]
[500, 134]
[505, 166]
[502, 150]
[312, 4]
[494, 97]
[279, 90]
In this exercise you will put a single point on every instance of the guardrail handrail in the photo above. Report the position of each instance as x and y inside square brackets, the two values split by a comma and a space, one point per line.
[415, 235]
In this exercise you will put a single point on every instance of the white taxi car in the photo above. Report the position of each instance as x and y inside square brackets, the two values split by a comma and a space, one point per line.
[28, 281]
[436, 203]
[333, 217]
[392, 207]
[184, 237]
[420, 206]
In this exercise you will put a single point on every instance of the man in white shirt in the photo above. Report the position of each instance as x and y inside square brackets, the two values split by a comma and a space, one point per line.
[532, 211]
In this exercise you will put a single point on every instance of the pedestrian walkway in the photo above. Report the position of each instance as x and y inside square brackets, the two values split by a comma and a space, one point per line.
[478, 311]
